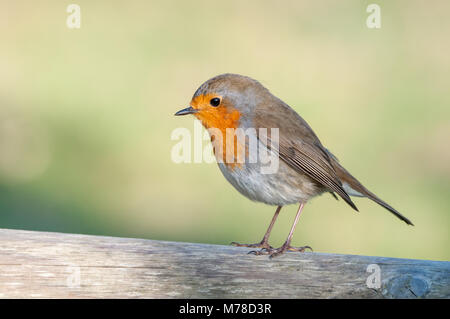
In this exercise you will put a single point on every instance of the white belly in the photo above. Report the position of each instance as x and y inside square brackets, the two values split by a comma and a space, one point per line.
[284, 187]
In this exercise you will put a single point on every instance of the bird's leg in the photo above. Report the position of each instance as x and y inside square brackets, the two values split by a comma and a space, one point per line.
[287, 244]
[265, 241]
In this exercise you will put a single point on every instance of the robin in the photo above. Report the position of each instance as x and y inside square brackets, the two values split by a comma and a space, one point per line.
[305, 169]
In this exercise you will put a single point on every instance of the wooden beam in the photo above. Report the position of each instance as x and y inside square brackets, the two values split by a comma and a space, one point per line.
[56, 265]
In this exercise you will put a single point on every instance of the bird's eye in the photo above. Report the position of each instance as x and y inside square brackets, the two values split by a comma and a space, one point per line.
[215, 101]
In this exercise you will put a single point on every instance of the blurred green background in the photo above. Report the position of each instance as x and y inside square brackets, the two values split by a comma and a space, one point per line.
[86, 117]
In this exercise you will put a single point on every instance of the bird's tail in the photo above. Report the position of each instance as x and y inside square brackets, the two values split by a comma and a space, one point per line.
[354, 188]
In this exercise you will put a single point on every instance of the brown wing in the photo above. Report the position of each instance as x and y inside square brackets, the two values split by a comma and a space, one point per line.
[299, 147]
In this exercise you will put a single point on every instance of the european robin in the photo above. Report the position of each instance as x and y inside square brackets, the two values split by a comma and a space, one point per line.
[305, 167]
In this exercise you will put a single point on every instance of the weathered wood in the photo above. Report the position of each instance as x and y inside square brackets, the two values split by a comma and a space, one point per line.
[54, 265]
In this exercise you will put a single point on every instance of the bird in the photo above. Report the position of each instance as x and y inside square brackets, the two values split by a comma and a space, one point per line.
[305, 168]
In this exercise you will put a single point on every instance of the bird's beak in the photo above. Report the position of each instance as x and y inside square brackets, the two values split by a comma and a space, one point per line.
[188, 110]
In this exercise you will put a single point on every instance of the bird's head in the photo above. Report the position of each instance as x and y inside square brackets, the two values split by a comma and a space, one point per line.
[225, 101]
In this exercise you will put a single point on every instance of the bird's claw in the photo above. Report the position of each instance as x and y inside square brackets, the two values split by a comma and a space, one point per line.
[300, 249]
[266, 249]
[262, 244]
[263, 251]
[279, 251]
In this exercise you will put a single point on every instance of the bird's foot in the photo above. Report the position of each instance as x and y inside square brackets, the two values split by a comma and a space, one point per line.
[263, 251]
[263, 244]
[275, 252]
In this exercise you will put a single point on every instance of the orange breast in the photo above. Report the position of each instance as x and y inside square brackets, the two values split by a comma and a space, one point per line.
[221, 118]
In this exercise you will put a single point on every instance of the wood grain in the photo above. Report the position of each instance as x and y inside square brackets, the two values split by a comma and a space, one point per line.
[56, 265]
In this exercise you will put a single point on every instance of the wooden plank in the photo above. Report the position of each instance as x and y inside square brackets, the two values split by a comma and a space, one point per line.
[55, 265]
